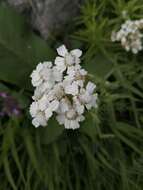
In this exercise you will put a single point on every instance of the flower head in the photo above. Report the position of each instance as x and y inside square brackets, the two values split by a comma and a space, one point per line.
[130, 35]
[62, 90]
[9, 105]
[66, 58]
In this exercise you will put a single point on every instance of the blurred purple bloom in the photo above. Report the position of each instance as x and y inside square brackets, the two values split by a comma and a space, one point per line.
[9, 105]
[3, 94]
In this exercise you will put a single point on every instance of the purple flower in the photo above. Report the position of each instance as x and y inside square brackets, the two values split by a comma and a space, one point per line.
[9, 105]
[3, 94]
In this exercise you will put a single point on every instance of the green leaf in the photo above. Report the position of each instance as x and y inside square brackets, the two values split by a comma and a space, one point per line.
[99, 66]
[51, 132]
[130, 131]
[17, 161]
[9, 174]
[30, 146]
[128, 142]
[20, 49]
[89, 126]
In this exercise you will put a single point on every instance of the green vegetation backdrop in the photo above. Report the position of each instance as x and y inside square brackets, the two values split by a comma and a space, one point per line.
[106, 153]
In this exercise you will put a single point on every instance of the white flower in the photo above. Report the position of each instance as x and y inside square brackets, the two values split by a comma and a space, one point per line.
[53, 106]
[62, 51]
[58, 91]
[87, 96]
[71, 124]
[34, 109]
[71, 88]
[57, 75]
[76, 53]
[79, 107]
[36, 79]
[90, 87]
[76, 72]
[41, 90]
[43, 103]
[42, 72]
[61, 90]
[67, 58]
[60, 64]
[70, 119]
[92, 103]
[130, 35]
[39, 120]
[64, 105]
[69, 115]
[48, 113]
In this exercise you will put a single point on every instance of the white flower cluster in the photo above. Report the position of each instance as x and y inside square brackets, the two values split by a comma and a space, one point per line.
[130, 35]
[62, 90]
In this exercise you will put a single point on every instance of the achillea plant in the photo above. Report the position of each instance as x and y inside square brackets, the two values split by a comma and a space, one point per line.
[130, 35]
[62, 89]
[105, 152]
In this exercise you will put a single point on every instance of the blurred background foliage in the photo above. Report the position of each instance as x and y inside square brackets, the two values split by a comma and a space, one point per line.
[106, 153]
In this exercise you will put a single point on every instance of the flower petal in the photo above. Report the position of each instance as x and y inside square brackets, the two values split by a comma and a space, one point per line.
[71, 89]
[60, 64]
[48, 113]
[54, 105]
[90, 87]
[76, 52]
[74, 124]
[61, 118]
[62, 50]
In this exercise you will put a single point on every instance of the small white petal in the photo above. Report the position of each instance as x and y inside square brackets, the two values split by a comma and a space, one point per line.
[71, 114]
[83, 72]
[35, 75]
[48, 113]
[60, 63]
[94, 101]
[67, 124]
[69, 59]
[74, 124]
[62, 50]
[47, 64]
[51, 95]
[46, 74]
[35, 122]
[85, 97]
[43, 103]
[76, 52]
[90, 87]
[71, 89]
[78, 106]
[34, 109]
[71, 70]
[39, 120]
[79, 83]
[54, 105]
[80, 109]
[57, 75]
[36, 79]
[61, 119]
[39, 67]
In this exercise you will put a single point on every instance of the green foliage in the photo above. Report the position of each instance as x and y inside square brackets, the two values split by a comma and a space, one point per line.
[20, 49]
[106, 153]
